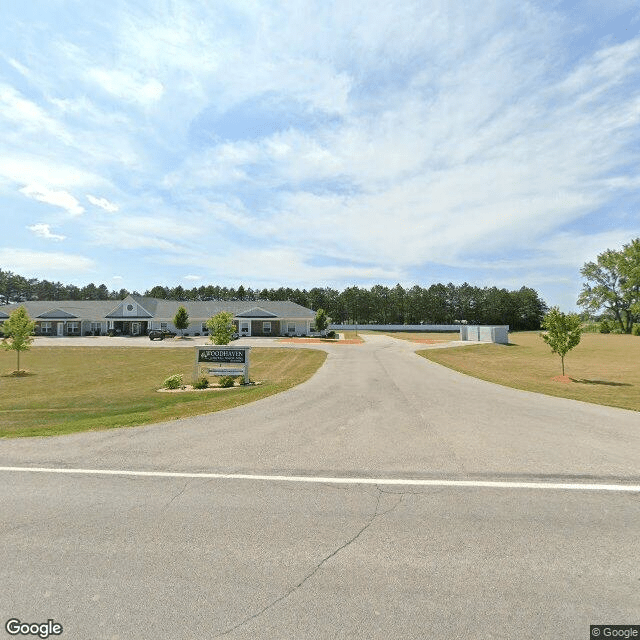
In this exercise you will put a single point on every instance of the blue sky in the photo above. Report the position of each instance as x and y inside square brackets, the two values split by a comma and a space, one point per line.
[318, 143]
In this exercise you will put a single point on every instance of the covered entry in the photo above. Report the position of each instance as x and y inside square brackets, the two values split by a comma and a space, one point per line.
[130, 327]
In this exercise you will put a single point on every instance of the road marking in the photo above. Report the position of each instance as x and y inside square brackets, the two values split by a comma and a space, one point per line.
[488, 484]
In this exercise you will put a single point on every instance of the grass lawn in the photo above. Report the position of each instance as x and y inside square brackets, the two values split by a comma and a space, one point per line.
[603, 368]
[352, 335]
[420, 336]
[72, 389]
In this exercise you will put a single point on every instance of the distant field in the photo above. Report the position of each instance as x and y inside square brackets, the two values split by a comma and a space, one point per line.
[419, 336]
[81, 388]
[604, 368]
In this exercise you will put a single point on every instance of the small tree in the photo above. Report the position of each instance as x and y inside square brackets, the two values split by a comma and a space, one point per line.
[17, 332]
[181, 319]
[221, 328]
[321, 322]
[563, 332]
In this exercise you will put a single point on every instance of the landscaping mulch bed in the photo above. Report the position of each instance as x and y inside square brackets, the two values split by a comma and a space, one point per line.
[190, 387]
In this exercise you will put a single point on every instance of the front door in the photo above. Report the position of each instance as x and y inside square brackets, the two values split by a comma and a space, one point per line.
[60, 329]
[135, 328]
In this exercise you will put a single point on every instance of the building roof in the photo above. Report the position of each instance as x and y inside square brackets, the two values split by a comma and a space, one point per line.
[256, 312]
[155, 308]
[57, 313]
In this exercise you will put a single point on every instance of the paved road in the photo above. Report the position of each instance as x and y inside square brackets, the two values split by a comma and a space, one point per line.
[173, 557]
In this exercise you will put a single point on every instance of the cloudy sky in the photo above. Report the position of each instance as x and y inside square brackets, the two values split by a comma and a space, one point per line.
[318, 143]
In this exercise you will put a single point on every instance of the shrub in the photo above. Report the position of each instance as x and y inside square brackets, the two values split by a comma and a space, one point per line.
[201, 383]
[331, 334]
[226, 381]
[636, 330]
[173, 382]
[605, 327]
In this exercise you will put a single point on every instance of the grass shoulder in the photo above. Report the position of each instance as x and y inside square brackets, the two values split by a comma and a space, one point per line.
[602, 369]
[73, 389]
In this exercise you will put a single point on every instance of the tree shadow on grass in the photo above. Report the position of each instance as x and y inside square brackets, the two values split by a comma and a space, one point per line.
[603, 382]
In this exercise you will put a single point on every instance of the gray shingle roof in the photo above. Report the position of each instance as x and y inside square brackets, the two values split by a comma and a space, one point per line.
[256, 312]
[57, 313]
[162, 309]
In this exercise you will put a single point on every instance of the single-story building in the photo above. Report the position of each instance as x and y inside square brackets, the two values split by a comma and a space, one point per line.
[137, 315]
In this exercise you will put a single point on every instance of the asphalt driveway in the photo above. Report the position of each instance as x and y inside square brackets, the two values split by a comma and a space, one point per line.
[198, 556]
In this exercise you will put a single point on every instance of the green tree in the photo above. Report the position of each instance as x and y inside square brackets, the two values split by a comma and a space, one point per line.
[17, 330]
[221, 328]
[613, 283]
[563, 332]
[321, 321]
[181, 319]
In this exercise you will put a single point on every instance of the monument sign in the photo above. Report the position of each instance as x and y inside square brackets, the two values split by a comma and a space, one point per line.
[222, 360]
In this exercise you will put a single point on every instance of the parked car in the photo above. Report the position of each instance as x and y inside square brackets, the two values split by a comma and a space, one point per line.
[160, 334]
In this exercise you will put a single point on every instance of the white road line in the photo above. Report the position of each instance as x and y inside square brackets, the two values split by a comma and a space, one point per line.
[488, 484]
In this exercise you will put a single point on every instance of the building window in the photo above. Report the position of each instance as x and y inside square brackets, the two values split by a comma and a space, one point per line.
[291, 327]
[266, 327]
[73, 328]
[129, 307]
[163, 326]
[45, 328]
[205, 329]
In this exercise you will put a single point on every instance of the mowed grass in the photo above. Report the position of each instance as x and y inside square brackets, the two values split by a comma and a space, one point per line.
[604, 369]
[352, 335]
[71, 389]
[418, 336]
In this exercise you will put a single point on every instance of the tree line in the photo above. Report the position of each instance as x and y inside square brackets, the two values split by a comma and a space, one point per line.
[16, 288]
[521, 309]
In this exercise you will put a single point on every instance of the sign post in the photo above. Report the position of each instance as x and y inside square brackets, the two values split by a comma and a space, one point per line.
[222, 360]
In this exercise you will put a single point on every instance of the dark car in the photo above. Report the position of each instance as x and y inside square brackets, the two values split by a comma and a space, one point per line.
[160, 334]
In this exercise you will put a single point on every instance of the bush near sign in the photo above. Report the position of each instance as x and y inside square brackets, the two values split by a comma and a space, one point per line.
[222, 356]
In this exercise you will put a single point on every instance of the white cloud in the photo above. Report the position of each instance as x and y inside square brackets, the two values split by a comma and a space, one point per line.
[44, 231]
[62, 199]
[103, 203]
[128, 85]
[143, 232]
[25, 168]
[20, 68]
[275, 266]
[21, 112]
[192, 277]
[35, 263]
